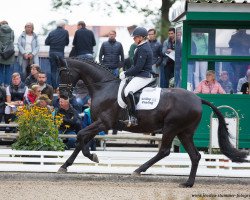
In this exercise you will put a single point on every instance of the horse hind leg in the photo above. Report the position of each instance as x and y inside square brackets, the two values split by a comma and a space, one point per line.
[186, 139]
[164, 151]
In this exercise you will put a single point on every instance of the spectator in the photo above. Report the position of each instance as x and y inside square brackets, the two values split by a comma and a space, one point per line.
[225, 83]
[84, 41]
[45, 88]
[28, 46]
[32, 78]
[201, 43]
[33, 94]
[6, 37]
[191, 69]
[74, 102]
[15, 94]
[240, 45]
[209, 85]
[44, 102]
[245, 86]
[57, 40]
[2, 102]
[81, 94]
[168, 48]
[242, 80]
[128, 62]
[157, 53]
[111, 54]
[71, 121]
[177, 70]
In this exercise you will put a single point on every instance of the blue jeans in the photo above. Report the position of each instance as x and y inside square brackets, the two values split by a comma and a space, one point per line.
[115, 72]
[191, 68]
[82, 101]
[162, 77]
[53, 57]
[5, 75]
[86, 56]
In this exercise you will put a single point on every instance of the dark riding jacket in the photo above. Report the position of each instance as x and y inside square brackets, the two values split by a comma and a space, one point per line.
[143, 61]
[111, 54]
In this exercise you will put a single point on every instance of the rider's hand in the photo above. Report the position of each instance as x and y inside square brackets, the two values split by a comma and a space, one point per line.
[122, 75]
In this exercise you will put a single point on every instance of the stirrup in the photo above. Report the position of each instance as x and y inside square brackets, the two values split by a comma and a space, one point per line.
[132, 121]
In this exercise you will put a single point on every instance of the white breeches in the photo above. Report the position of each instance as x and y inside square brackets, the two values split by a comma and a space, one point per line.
[136, 84]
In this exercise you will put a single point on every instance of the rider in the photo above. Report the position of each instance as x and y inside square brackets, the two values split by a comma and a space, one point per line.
[141, 71]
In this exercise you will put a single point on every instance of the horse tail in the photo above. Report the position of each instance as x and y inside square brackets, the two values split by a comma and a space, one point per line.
[223, 136]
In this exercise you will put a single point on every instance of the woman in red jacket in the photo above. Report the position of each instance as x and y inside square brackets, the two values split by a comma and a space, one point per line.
[33, 94]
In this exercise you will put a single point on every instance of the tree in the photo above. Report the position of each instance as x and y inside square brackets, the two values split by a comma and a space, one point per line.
[161, 20]
[48, 27]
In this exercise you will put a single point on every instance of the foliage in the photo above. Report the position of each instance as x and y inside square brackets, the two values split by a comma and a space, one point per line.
[51, 25]
[38, 130]
[157, 17]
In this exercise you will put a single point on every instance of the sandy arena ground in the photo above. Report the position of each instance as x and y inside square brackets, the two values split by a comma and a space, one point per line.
[118, 187]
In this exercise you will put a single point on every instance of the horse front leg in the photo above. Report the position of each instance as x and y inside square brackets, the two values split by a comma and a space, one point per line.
[83, 137]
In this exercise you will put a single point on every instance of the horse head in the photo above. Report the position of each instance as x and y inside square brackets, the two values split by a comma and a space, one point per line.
[65, 85]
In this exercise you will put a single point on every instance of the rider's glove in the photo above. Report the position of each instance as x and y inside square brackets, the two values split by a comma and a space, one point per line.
[122, 75]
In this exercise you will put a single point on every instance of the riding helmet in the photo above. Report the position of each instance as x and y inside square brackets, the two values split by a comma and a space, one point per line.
[140, 31]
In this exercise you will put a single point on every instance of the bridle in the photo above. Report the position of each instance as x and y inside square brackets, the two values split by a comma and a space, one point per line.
[68, 85]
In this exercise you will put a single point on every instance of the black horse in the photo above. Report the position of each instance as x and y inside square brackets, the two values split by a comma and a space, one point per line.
[177, 114]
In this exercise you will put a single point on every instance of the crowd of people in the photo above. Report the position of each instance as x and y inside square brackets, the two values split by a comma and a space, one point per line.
[148, 60]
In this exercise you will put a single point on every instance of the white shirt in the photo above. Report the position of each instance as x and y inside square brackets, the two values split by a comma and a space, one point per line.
[28, 47]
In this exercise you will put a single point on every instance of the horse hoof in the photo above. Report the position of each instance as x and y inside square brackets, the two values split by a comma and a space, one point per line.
[95, 158]
[135, 174]
[185, 185]
[62, 170]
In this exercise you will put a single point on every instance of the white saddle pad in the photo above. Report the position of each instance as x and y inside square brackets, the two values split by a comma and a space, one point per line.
[149, 98]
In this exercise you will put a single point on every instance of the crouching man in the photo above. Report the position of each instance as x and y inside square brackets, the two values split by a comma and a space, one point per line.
[71, 121]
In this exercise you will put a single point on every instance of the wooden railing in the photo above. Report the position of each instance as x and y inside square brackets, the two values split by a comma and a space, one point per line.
[102, 138]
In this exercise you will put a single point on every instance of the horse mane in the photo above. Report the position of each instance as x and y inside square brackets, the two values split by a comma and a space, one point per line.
[94, 63]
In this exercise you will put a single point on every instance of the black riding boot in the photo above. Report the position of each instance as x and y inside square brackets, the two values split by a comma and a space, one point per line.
[132, 120]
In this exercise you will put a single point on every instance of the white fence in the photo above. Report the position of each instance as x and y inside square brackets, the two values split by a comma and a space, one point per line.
[120, 163]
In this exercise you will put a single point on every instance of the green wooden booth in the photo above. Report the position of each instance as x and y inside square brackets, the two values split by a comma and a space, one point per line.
[214, 36]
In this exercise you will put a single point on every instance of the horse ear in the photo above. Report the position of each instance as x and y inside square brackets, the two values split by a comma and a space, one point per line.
[60, 61]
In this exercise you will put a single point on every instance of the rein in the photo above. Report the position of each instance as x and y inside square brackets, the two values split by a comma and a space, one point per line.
[69, 83]
[96, 83]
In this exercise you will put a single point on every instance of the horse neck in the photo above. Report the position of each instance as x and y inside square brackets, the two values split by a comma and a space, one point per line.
[95, 77]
